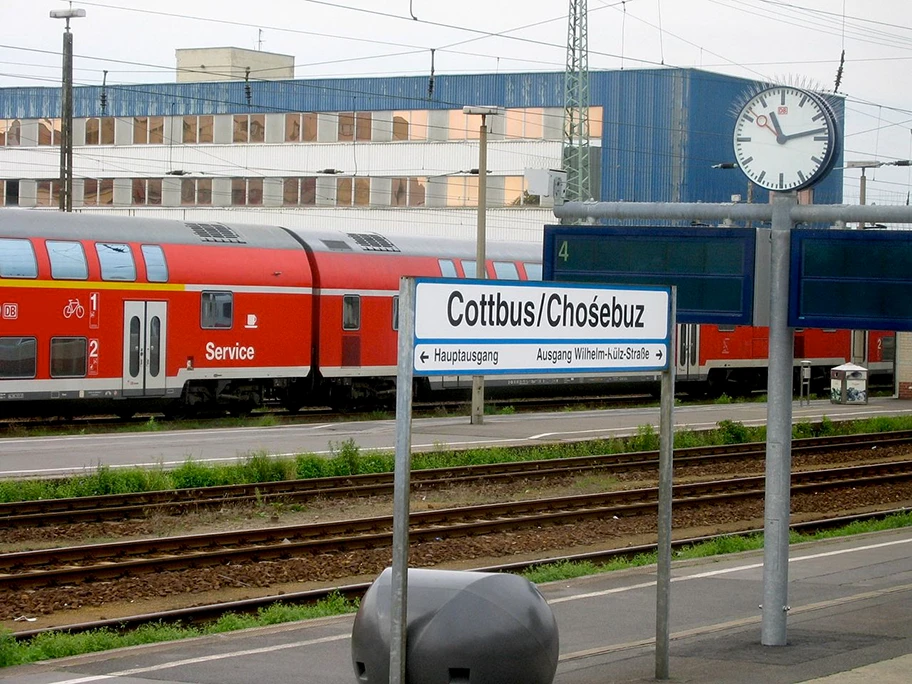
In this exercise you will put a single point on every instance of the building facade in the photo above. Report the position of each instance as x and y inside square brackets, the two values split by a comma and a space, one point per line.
[393, 155]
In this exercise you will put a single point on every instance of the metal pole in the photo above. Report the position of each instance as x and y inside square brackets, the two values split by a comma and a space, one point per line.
[66, 125]
[480, 270]
[399, 577]
[779, 431]
[666, 468]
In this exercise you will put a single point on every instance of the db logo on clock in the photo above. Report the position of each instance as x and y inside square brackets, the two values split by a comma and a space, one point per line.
[783, 110]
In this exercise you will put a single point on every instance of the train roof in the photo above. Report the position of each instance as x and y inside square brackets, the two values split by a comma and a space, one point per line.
[83, 226]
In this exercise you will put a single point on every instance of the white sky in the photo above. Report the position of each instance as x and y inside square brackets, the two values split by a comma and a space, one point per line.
[798, 41]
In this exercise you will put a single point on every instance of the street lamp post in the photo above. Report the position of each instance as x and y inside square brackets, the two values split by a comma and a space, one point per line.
[864, 165]
[66, 110]
[477, 416]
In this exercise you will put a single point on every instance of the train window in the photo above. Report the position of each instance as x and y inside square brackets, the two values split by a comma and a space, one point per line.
[116, 261]
[68, 260]
[506, 270]
[217, 309]
[533, 270]
[468, 267]
[447, 268]
[396, 312]
[68, 357]
[156, 266]
[726, 328]
[351, 312]
[17, 259]
[17, 357]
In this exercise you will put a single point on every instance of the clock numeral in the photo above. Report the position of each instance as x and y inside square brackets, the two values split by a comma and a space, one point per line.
[761, 176]
[816, 160]
[744, 139]
[747, 161]
[819, 116]
[803, 100]
[781, 180]
[820, 138]
[801, 176]
[782, 98]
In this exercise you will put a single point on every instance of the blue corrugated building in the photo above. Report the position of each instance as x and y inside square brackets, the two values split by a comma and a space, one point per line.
[382, 153]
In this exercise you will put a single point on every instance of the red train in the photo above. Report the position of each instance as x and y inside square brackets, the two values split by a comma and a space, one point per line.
[116, 314]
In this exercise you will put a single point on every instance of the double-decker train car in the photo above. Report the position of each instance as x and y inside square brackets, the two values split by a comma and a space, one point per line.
[124, 314]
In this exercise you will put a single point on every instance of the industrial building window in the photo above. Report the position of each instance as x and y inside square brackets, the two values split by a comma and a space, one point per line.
[116, 261]
[68, 357]
[524, 123]
[516, 194]
[98, 192]
[301, 127]
[48, 131]
[48, 193]
[10, 190]
[148, 130]
[217, 308]
[352, 192]
[410, 125]
[18, 357]
[99, 131]
[299, 192]
[408, 192]
[198, 129]
[354, 126]
[156, 266]
[17, 259]
[595, 122]
[249, 128]
[506, 270]
[10, 132]
[462, 191]
[246, 192]
[147, 191]
[196, 191]
[464, 126]
[351, 312]
[68, 260]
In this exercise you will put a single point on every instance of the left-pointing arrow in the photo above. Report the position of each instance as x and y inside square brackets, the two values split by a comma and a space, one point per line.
[423, 357]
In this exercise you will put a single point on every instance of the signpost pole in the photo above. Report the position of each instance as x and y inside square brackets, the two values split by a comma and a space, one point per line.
[666, 466]
[399, 578]
[778, 431]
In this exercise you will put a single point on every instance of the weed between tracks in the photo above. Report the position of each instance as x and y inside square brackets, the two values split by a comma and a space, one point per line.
[59, 645]
[347, 458]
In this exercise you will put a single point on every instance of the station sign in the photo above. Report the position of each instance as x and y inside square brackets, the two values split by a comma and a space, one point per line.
[490, 327]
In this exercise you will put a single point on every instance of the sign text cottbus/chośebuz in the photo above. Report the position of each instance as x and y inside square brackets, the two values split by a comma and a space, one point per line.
[554, 310]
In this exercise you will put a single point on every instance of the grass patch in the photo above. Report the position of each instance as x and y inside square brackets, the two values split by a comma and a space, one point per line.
[347, 458]
[565, 570]
[51, 645]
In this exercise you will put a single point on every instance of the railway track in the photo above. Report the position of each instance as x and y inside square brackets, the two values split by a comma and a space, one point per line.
[140, 505]
[74, 565]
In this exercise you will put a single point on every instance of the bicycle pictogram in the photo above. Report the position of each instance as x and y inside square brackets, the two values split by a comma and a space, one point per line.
[74, 308]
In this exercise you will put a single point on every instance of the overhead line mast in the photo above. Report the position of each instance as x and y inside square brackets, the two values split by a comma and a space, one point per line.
[575, 152]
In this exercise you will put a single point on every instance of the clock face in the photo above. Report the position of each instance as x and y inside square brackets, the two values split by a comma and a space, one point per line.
[785, 138]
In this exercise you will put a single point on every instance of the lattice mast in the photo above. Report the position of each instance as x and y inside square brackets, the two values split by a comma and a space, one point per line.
[575, 151]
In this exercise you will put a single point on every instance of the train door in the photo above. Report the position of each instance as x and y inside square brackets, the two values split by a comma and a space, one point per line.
[688, 356]
[145, 328]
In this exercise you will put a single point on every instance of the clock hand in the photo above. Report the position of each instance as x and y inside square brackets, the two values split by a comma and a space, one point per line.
[780, 138]
[805, 133]
[763, 122]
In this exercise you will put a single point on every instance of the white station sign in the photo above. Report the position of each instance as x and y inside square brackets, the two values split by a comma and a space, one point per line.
[486, 327]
